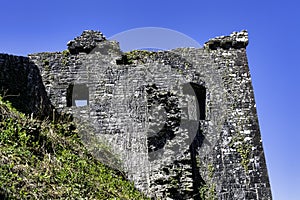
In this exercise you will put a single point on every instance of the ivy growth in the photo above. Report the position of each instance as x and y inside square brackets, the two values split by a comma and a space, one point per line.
[243, 148]
[208, 190]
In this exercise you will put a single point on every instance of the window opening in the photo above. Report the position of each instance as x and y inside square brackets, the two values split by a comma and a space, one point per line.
[77, 95]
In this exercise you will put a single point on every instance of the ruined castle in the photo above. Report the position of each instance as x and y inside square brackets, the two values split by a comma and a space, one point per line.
[183, 122]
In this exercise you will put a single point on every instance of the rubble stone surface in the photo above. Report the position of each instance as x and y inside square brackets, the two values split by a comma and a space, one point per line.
[182, 122]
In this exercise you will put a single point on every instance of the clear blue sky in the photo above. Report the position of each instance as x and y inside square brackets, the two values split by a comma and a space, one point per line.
[273, 52]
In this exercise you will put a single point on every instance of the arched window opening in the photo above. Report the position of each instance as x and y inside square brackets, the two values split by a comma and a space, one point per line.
[77, 95]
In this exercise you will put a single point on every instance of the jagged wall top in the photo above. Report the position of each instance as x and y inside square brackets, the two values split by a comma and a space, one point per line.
[88, 40]
[236, 40]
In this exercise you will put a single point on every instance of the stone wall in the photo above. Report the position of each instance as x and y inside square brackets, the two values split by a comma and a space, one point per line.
[237, 159]
[21, 84]
[183, 123]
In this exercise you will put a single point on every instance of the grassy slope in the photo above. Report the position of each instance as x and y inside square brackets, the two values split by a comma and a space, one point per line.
[45, 160]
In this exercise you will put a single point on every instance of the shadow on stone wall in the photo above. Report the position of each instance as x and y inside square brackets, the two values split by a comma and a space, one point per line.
[21, 84]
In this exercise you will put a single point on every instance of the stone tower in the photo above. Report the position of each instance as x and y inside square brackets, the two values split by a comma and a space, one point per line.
[182, 123]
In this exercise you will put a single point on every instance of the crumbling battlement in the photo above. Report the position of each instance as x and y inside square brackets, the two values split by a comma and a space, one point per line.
[86, 42]
[236, 40]
[183, 122]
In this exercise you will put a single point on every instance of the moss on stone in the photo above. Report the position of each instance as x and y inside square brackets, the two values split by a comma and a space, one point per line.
[46, 63]
[65, 53]
[136, 56]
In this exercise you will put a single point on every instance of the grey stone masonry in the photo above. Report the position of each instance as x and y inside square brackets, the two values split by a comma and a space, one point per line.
[22, 85]
[182, 124]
